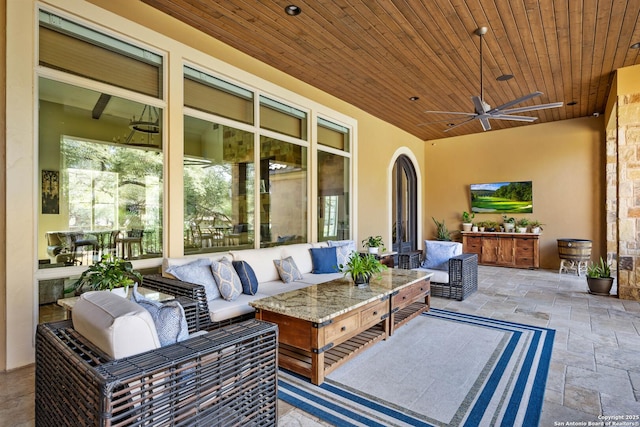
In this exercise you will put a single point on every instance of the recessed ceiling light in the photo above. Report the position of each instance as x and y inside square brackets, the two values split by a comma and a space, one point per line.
[414, 98]
[504, 77]
[571, 103]
[292, 10]
[635, 46]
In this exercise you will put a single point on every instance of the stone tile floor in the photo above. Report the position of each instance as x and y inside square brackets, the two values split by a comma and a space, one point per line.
[595, 368]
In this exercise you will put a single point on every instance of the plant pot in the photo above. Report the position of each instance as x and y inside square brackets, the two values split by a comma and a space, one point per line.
[536, 230]
[474, 228]
[466, 226]
[374, 250]
[522, 229]
[481, 229]
[508, 227]
[361, 279]
[600, 285]
[121, 292]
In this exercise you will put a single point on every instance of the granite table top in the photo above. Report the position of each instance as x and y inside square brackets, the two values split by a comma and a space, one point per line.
[324, 301]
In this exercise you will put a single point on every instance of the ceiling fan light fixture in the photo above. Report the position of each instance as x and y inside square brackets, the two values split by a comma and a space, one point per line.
[292, 10]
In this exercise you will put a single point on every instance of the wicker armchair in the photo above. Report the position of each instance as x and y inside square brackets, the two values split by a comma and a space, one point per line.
[463, 277]
[225, 377]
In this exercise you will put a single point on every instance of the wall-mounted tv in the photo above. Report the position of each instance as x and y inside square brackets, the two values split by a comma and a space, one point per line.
[502, 197]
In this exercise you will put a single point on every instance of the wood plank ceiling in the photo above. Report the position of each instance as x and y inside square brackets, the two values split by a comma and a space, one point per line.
[376, 54]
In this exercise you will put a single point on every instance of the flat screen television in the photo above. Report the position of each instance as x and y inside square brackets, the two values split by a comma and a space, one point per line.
[502, 197]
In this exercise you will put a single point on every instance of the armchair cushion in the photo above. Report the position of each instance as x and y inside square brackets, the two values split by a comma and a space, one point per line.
[438, 253]
[115, 325]
[169, 318]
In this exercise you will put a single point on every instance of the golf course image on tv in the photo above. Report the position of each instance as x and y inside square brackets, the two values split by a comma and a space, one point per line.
[502, 197]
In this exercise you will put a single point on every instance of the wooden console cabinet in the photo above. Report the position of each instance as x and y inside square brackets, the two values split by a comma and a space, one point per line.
[519, 250]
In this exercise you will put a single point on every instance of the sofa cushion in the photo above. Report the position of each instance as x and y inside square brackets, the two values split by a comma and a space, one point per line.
[287, 269]
[247, 277]
[300, 254]
[227, 279]
[315, 279]
[220, 309]
[324, 260]
[198, 272]
[168, 317]
[115, 325]
[437, 254]
[261, 260]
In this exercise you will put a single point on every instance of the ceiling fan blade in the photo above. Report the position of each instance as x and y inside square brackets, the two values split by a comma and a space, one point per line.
[514, 118]
[533, 108]
[516, 101]
[484, 121]
[461, 123]
[450, 112]
[478, 105]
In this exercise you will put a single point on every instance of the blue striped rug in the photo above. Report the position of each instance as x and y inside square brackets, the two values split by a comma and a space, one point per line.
[441, 369]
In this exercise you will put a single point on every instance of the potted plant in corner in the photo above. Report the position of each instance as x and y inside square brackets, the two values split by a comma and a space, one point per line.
[362, 267]
[441, 231]
[467, 220]
[599, 278]
[109, 274]
[373, 244]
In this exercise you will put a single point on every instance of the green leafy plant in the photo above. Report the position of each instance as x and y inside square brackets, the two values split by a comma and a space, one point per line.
[534, 223]
[441, 230]
[467, 217]
[491, 225]
[522, 222]
[508, 220]
[601, 269]
[108, 273]
[373, 242]
[362, 267]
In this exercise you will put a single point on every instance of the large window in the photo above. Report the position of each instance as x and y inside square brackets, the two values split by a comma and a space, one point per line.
[218, 186]
[100, 155]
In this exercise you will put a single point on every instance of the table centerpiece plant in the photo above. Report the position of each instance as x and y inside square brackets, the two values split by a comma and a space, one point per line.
[108, 274]
[362, 267]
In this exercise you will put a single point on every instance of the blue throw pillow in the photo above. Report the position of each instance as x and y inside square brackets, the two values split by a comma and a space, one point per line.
[324, 260]
[438, 254]
[247, 277]
[169, 318]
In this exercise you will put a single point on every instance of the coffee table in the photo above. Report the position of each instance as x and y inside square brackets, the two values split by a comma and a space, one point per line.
[322, 326]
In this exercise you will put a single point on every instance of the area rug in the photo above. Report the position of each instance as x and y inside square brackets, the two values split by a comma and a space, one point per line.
[441, 369]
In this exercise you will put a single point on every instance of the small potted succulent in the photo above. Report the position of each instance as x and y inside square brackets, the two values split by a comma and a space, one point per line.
[109, 274]
[522, 224]
[373, 244]
[509, 223]
[362, 267]
[599, 278]
[536, 226]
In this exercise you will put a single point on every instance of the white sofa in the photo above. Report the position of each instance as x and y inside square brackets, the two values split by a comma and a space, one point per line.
[261, 261]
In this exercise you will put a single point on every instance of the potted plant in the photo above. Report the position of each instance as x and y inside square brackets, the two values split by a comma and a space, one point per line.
[110, 273]
[509, 223]
[441, 230]
[536, 226]
[466, 220]
[599, 278]
[374, 244]
[491, 226]
[522, 224]
[361, 267]
[482, 225]
[474, 227]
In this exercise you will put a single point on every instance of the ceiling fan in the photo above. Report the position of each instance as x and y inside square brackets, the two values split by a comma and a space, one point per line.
[484, 112]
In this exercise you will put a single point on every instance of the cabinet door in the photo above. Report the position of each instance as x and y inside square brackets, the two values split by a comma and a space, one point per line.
[506, 251]
[489, 250]
[473, 245]
[526, 252]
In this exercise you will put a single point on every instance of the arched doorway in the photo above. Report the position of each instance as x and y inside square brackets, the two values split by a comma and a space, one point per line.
[404, 210]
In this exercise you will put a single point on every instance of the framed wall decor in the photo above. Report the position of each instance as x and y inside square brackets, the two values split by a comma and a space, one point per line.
[50, 192]
[502, 197]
